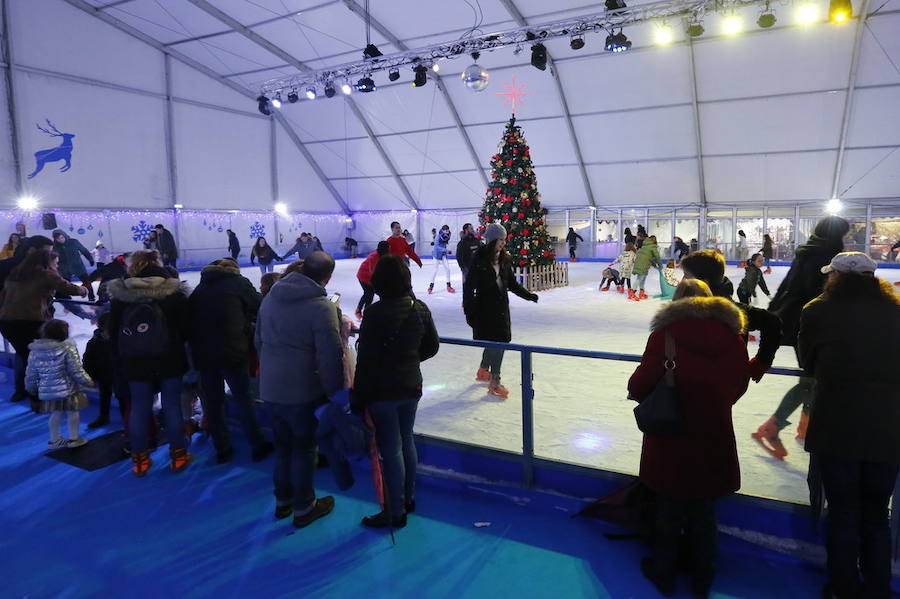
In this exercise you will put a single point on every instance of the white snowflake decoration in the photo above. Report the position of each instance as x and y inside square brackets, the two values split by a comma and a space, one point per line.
[141, 231]
[257, 229]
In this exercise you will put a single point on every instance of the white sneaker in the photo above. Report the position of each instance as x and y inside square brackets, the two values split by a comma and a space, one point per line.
[76, 442]
[58, 443]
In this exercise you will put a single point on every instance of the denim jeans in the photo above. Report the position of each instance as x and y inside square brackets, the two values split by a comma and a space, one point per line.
[264, 268]
[366, 300]
[492, 359]
[213, 401]
[799, 394]
[858, 536]
[394, 421]
[693, 520]
[640, 280]
[141, 416]
[294, 426]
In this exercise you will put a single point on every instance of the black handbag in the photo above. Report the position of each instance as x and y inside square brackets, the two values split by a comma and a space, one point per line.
[660, 412]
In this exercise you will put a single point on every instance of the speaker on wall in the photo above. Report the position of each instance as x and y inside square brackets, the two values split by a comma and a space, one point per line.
[48, 221]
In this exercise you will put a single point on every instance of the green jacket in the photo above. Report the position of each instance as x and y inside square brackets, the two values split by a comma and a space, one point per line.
[647, 256]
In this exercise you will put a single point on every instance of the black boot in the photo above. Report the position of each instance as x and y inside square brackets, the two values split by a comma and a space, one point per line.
[664, 584]
[384, 520]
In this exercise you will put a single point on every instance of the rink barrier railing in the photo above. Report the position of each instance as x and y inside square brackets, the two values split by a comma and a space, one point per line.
[529, 460]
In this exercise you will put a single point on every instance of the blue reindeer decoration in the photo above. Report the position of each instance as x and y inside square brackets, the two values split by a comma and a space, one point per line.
[61, 152]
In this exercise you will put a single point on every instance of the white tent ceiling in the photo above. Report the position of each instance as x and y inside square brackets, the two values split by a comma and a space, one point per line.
[771, 103]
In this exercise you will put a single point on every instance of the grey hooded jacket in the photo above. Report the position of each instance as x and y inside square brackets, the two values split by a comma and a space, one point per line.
[54, 370]
[299, 343]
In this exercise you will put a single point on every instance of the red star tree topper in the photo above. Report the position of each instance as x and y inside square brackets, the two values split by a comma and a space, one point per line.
[512, 199]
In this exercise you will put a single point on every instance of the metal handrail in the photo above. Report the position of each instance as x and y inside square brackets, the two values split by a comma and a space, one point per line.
[527, 381]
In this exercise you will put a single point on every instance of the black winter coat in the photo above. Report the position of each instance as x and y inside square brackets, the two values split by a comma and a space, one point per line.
[485, 299]
[767, 323]
[234, 246]
[850, 347]
[767, 250]
[98, 359]
[394, 337]
[265, 255]
[466, 250]
[152, 285]
[802, 284]
[166, 244]
[222, 308]
[753, 276]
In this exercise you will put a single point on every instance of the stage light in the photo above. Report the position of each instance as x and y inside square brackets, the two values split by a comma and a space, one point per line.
[365, 85]
[276, 101]
[834, 206]
[695, 29]
[807, 14]
[310, 93]
[421, 77]
[663, 35]
[371, 51]
[615, 4]
[766, 19]
[346, 89]
[329, 89]
[27, 203]
[263, 105]
[840, 11]
[292, 96]
[393, 74]
[539, 57]
[177, 206]
[617, 42]
[436, 67]
[281, 208]
[732, 25]
[577, 42]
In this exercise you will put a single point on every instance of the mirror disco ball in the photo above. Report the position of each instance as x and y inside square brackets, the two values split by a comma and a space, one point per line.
[476, 78]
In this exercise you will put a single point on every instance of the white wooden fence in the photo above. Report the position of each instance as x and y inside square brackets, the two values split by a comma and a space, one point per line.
[539, 278]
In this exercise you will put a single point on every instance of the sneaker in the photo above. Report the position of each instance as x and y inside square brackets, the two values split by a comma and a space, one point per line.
[483, 375]
[283, 511]
[384, 520]
[262, 451]
[57, 443]
[498, 390]
[73, 443]
[321, 508]
[100, 421]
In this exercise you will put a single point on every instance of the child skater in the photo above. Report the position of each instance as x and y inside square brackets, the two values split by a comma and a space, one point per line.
[626, 267]
[753, 276]
[55, 376]
[668, 281]
[98, 363]
[610, 275]
[440, 257]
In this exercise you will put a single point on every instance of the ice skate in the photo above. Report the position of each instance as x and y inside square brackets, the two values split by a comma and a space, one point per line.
[767, 271]
[767, 437]
[801, 428]
[604, 289]
[450, 288]
[642, 295]
[483, 375]
[631, 295]
[742, 265]
[430, 288]
[620, 288]
[497, 390]
[359, 314]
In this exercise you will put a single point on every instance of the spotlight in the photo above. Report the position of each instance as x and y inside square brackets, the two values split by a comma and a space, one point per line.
[421, 77]
[281, 208]
[615, 4]
[834, 206]
[517, 50]
[177, 206]
[695, 29]
[766, 20]
[839, 11]
[276, 101]
[310, 93]
[27, 203]
[263, 105]
[617, 42]
[436, 67]
[807, 14]
[329, 89]
[293, 97]
[577, 42]
[393, 74]
[539, 57]
[365, 85]
[371, 51]
[732, 25]
[345, 88]
[663, 35]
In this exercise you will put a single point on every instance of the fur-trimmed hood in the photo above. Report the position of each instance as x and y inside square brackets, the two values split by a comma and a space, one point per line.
[701, 308]
[220, 267]
[142, 289]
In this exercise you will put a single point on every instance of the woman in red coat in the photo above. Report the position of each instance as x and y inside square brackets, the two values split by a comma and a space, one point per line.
[690, 470]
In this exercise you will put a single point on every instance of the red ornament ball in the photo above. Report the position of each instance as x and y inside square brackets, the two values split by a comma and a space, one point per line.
[508, 163]
[521, 215]
[545, 253]
[523, 251]
[505, 217]
[526, 232]
[513, 181]
[509, 237]
[522, 262]
[496, 190]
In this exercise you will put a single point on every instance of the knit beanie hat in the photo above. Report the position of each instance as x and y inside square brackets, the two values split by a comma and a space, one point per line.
[493, 232]
[832, 228]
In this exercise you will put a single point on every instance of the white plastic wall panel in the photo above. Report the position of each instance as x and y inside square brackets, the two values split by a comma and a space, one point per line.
[374, 227]
[876, 117]
[324, 32]
[250, 225]
[451, 190]
[323, 119]
[880, 47]
[261, 10]
[7, 167]
[194, 85]
[561, 186]
[870, 174]
[405, 108]
[351, 158]
[381, 193]
[200, 233]
[802, 176]
[222, 159]
[56, 36]
[414, 153]
[629, 80]
[231, 53]
[778, 61]
[548, 140]
[118, 154]
[127, 230]
[645, 183]
[166, 22]
[437, 219]
[298, 185]
[639, 135]
[772, 124]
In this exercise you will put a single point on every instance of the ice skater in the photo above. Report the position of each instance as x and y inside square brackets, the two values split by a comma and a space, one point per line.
[610, 275]
[679, 249]
[486, 303]
[668, 281]
[768, 252]
[753, 277]
[647, 256]
[626, 268]
[572, 239]
[440, 257]
[741, 248]
[400, 246]
[263, 252]
[803, 283]
[364, 276]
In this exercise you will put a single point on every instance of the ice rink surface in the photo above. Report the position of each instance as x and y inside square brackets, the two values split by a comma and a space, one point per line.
[581, 415]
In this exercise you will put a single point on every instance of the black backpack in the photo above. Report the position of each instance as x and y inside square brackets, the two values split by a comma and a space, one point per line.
[143, 331]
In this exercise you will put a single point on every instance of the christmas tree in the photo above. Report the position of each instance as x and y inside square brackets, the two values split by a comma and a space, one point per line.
[513, 201]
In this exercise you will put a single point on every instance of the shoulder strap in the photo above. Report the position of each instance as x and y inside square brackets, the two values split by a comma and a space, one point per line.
[669, 364]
